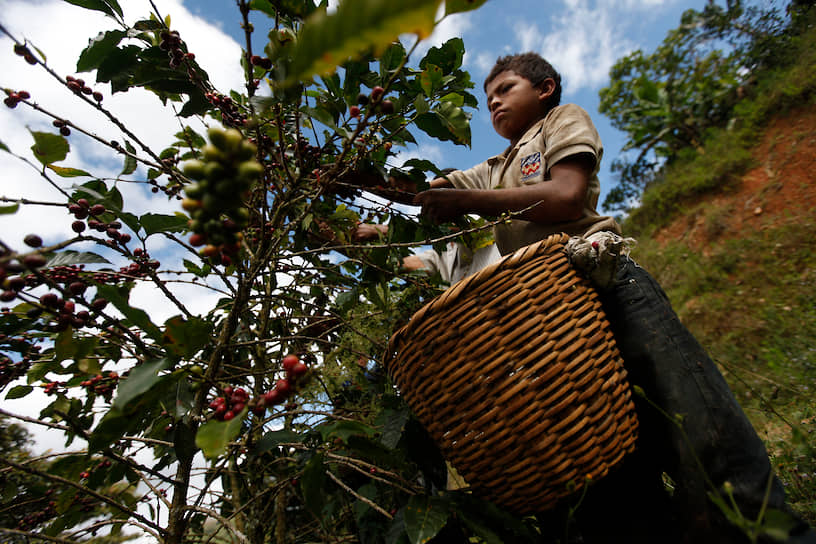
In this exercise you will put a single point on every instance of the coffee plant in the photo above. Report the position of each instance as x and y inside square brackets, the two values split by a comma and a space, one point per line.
[268, 418]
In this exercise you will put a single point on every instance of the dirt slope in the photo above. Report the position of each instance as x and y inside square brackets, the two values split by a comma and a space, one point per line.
[780, 189]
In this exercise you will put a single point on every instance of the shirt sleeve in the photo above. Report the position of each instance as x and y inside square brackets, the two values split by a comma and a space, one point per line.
[477, 177]
[570, 131]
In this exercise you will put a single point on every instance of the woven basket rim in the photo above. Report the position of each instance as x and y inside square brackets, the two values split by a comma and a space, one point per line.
[463, 287]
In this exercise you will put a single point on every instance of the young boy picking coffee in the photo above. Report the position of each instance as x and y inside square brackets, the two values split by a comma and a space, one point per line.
[691, 427]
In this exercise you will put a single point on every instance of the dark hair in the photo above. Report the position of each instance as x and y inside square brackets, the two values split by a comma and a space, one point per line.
[530, 66]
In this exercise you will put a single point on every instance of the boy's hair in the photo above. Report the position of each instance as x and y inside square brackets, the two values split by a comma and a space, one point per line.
[530, 66]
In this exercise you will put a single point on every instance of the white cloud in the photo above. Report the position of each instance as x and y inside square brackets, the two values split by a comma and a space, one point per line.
[584, 44]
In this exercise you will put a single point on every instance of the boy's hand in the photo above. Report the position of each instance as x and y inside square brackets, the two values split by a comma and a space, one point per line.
[441, 205]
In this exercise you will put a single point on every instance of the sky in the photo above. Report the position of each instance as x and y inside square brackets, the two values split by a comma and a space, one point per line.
[581, 38]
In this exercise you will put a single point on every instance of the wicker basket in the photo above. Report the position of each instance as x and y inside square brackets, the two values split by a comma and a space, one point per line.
[515, 374]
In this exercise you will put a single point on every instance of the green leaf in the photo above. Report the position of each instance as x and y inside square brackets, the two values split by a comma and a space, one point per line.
[108, 7]
[392, 422]
[456, 120]
[98, 50]
[214, 436]
[140, 380]
[312, 483]
[448, 56]
[8, 210]
[430, 79]
[19, 392]
[424, 518]
[130, 161]
[184, 337]
[4, 147]
[327, 40]
[69, 257]
[153, 223]
[49, 147]
[65, 172]
[137, 316]
[68, 347]
[458, 6]
[272, 439]
[345, 429]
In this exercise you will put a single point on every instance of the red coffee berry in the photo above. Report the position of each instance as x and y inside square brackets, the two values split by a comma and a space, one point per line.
[354, 111]
[98, 304]
[387, 107]
[34, 261]
[78, 226]
[283, 387]
[299, 370]
[23, 95]
[376, 93]
[97, 209]
[289, 362]
[77, 288]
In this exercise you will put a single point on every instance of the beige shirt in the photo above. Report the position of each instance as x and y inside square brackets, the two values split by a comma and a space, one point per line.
[458, 261]
[566, 130]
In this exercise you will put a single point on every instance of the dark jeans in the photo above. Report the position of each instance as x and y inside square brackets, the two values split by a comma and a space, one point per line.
[713, 443]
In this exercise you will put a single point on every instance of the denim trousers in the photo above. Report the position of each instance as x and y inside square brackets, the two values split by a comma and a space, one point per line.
[693, 435]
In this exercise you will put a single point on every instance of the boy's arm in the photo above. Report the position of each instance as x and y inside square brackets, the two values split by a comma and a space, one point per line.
[554, 201]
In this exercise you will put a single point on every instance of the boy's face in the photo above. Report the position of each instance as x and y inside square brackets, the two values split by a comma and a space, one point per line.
[515, 104]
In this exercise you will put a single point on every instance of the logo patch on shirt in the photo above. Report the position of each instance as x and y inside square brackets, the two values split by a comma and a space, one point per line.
[530, 166]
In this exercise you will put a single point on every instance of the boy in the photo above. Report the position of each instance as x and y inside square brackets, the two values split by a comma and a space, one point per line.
[549, 173]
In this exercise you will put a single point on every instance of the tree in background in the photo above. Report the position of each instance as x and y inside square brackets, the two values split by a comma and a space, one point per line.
[665, 101]
[267, 418]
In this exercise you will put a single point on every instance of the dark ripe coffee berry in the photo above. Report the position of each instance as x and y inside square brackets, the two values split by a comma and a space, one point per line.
[97, 96]
[20, 49]
[17, 283]
[32, 240]
[34, 313]
[23, 95]
[84, 203]
[8, 296]
[29, 58]
[376, 93]
[50, 299]
[65, 131]
[10, 102]
[58, 123]
[124, 237]
[98, 304]
[266, 63]
[362, 99]
[387, 107]
[255, 60]
[77, 288]
[78, 226]
[97, 209]
[34, 261]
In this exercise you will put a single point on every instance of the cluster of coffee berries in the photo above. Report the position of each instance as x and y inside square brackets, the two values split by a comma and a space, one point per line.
[231, 115]
[78, 86]
[63, 127]
[215, 203]
[374, 100]
[53, 388]
[15, 98]
[11, 370]
[231, 403]
[294, 369]
[35, 517]
[171, 42]
[24, 52]
[262, 62]
[102, 385]
[64, 312]
[82, 210]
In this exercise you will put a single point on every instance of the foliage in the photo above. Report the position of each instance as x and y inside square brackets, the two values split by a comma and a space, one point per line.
[668, 100]
[727, 151]
[266, 418]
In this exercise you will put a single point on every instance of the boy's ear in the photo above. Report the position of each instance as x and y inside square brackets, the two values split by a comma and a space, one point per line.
[545, 89]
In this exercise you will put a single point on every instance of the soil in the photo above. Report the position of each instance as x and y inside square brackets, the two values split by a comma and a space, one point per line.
[780, 189]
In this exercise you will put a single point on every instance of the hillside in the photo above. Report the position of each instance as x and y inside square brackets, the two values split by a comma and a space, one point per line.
[739, 267]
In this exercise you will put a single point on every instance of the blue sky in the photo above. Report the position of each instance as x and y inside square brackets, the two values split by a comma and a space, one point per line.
[581, 38]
